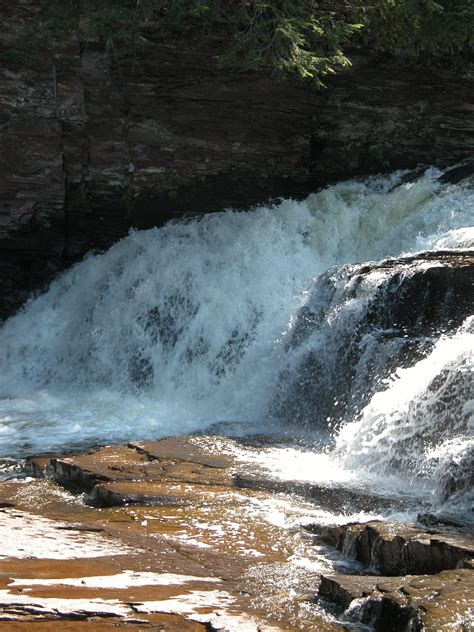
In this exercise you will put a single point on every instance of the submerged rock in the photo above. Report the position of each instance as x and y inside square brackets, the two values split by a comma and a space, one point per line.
[458, 173]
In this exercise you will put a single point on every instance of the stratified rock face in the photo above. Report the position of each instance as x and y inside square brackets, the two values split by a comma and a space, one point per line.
[395, 549]
[92, 145]
[426, 583]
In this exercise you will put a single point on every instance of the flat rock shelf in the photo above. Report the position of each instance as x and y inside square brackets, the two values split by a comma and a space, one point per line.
[167, 535]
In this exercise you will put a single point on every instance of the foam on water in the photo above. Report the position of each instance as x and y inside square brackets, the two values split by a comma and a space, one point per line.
[177, 328]
[421, 426]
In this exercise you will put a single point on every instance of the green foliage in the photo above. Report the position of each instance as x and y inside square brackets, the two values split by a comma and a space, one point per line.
[435, 29]
[117, 21]
[298, 37]
[120, 21]
[48, 21]
[303, 38]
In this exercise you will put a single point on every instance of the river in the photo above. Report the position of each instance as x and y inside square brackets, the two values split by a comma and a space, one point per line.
[200, 326]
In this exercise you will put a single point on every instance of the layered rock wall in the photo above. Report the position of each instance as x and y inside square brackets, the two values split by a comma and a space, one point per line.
[93, 143]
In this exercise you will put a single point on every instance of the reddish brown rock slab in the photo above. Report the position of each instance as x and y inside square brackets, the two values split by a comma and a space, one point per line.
[191, 449]
[431, 603]
[147, 492]
[208, 555]
[399, 549]
[83, 471]
[181, 459]
[164, 622]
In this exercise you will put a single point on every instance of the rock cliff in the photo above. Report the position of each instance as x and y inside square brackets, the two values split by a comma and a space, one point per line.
[94, 143]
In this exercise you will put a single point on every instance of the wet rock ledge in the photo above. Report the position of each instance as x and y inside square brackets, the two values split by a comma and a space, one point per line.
[165, 535]
[411, 587]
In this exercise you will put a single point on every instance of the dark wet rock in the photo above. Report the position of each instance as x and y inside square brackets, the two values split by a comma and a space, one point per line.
[336, 498]
[365, 321]
[441, 520]
[38, 466]
[457, 479]
[458, 173]
[411, 176]
[403, 604]
[397, 549]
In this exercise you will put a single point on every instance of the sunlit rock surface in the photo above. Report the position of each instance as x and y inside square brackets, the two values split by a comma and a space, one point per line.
[168, 534]
[398, 549]
[428, 603]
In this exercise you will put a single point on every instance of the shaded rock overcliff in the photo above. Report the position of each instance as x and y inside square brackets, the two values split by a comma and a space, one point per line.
[93, 144]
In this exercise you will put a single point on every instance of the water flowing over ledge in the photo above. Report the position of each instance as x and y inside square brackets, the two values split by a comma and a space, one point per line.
[198, 324]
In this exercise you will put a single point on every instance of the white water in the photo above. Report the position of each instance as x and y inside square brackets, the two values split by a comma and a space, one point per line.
[423, 423]
[175, 329]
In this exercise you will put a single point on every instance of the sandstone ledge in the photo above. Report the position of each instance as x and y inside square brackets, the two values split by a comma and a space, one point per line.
[402, 604]
[156, 536]
[165, 535]
[399, 549]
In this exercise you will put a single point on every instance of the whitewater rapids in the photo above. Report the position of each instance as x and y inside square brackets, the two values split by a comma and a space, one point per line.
[181, 328]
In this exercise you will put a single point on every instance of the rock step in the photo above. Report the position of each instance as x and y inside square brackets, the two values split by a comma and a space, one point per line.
[397, 549]
[336, 498]
[135, 473]
[175, 507]
[167, 553]
[399, 604]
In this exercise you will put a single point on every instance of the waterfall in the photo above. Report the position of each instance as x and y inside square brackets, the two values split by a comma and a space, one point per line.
[247, 318]
[422, 423]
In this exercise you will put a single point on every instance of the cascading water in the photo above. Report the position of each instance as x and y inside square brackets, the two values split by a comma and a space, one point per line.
[178, 328]
[422, 423]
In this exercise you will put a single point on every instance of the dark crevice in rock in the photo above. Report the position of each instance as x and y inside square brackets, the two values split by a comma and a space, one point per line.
[336, 499]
